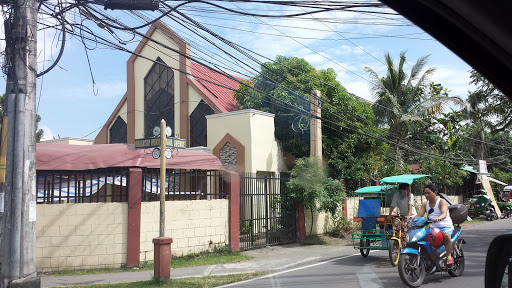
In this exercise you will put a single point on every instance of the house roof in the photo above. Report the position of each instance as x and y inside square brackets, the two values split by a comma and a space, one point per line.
[50, 156]
[206, 79]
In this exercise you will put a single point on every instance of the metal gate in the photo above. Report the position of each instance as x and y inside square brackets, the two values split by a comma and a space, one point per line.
[267, 216]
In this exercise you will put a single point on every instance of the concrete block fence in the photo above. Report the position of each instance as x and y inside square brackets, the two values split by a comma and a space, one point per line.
[101, 235]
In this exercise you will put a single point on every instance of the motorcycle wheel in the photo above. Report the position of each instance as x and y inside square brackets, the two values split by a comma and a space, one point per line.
[394, 252]
[364, 243]
[458, 266]
[412, 271]
[495, 216]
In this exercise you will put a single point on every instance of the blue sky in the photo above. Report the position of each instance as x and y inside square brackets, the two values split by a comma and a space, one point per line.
[71, 106]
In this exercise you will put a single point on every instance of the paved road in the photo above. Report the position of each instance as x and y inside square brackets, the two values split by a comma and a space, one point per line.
[375, 271]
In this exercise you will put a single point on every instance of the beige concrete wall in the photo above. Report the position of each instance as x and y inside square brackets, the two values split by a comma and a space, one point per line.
[254, 129]
[236, 123]
[141, 69]
[195, 226]
[81, 236]
[194, 98]
[264, 150]
[322, 220]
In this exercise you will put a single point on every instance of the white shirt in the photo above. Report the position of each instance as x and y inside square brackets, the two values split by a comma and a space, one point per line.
[446, 222]
[403, 203]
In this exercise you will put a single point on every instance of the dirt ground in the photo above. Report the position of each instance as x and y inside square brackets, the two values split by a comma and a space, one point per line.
[325, 239]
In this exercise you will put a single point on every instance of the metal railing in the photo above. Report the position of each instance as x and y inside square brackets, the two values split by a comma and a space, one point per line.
[183, 185]
[267, 215]
[89, 186]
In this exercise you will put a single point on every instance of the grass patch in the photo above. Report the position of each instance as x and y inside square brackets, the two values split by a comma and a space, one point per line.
[474, 221]
[199, 282]
[219, 256]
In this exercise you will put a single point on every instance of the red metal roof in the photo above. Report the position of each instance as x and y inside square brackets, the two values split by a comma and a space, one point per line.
[222, 97]
[51, 156]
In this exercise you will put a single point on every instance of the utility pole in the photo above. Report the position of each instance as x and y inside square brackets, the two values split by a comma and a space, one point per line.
[19, 221]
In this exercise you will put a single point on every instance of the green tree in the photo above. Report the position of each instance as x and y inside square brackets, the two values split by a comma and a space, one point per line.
[349, 153]
[490, 104]
[442, 172]
[311, 188]
[500, 150]
[39, 132]
[403, 98]
[287, 81]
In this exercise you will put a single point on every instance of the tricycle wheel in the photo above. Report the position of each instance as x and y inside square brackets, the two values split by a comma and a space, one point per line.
[365, 251]
[394, 251]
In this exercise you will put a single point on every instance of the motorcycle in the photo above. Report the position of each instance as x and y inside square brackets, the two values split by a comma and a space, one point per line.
[490, 212]
[506, 213]
[425, 253]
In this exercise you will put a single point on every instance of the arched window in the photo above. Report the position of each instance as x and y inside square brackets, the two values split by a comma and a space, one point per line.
[117, 133]
[198, 128]
[158, 97]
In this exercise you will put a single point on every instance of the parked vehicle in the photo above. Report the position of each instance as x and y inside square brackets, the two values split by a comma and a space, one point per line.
[477, 204]
[506, 194]
[506, 209]
[490, 212]
[426, 254]
[506, 202]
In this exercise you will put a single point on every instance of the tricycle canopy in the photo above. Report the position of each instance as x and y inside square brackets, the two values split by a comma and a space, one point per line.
[375, 189]
[405, 178]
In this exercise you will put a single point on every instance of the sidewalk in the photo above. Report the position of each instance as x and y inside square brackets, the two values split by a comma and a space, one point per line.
[273, 258]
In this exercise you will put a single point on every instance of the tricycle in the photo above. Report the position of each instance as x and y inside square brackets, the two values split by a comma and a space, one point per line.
[478, 205]
[379, 232]
[506, 209]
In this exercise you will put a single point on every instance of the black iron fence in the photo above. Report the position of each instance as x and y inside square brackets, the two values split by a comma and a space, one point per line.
[267, 215]
[183, 185]
[89, 186]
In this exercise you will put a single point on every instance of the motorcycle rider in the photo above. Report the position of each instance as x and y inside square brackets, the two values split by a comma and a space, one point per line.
[439, 214]
[404, 200]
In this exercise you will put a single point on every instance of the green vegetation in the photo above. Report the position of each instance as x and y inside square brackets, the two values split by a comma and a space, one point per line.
[284, 88]
[413, 121]
[200, 282]
[207, 258]
[311, 188]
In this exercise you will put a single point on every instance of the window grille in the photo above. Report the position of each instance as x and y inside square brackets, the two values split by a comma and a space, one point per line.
[198, 128]
[90, 186]
[158, 97]
[118, 131]
[183, 185]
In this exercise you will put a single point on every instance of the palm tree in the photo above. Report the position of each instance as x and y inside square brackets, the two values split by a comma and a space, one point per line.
[401, 98]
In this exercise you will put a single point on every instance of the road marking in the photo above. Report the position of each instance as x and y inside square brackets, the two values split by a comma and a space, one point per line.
[287, 271]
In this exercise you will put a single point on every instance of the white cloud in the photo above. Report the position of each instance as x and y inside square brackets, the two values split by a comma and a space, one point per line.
[48, 133]
[360, 88]
[456, 80]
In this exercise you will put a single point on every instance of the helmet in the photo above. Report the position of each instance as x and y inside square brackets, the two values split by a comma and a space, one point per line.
[435, 238]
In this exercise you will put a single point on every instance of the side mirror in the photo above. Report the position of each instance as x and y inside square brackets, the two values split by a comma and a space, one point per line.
[498, 263]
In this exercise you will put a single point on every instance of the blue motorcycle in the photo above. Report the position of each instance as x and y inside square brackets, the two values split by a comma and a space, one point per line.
[424, 254]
